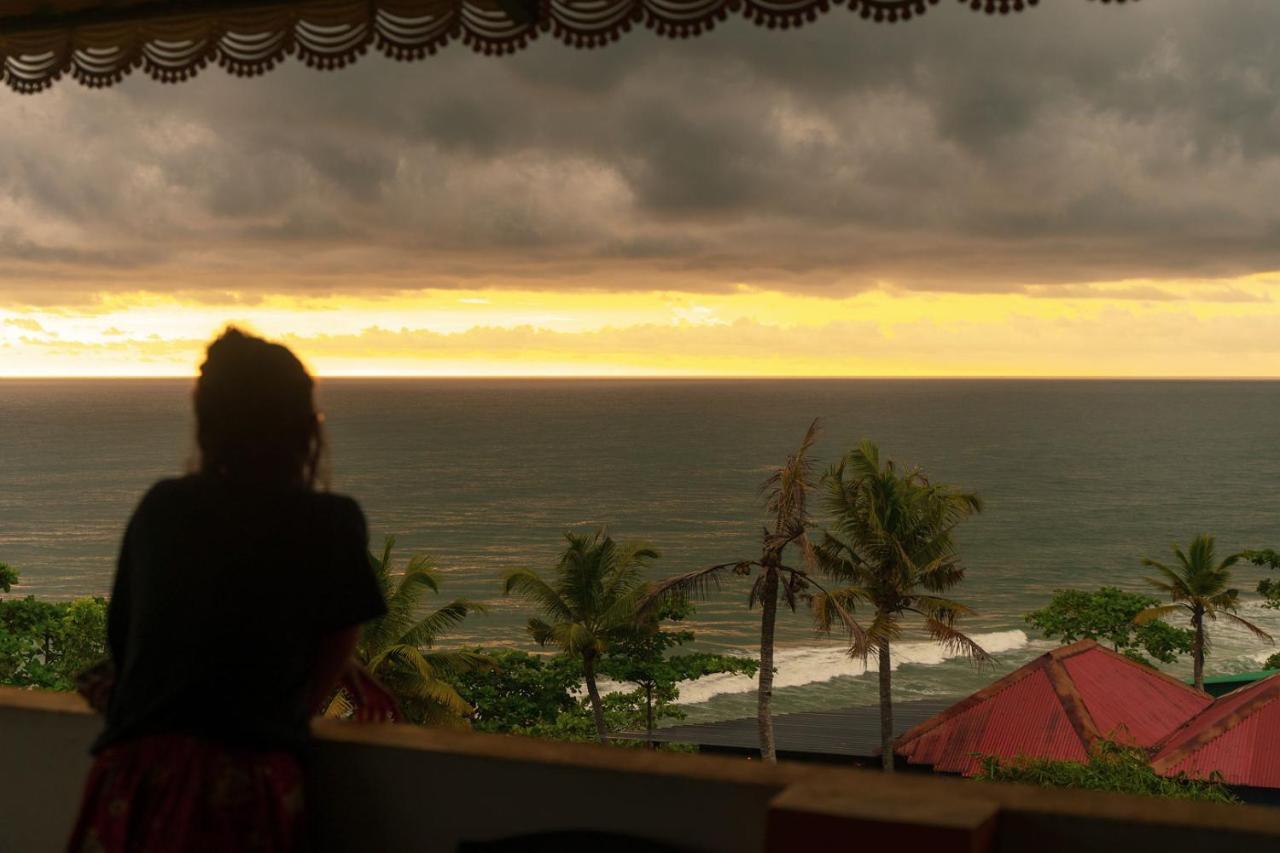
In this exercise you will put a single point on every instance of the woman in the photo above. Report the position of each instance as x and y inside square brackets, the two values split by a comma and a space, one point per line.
[235, 609]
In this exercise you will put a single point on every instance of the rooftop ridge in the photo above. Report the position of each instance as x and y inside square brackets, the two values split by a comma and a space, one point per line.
[1268, 690]
[1079, 647]
[1073, 704]
[1073, 649]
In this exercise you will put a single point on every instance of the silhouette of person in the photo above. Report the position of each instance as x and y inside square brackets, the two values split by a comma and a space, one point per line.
[233, 616]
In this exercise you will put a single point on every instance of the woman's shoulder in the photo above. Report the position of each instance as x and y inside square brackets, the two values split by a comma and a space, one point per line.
[196, 493]
[341, 513]
[336, 503]
[168, 490]
[342, 518]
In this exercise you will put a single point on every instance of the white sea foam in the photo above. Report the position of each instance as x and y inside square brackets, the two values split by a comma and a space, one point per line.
[1261, 657]
[814, 664]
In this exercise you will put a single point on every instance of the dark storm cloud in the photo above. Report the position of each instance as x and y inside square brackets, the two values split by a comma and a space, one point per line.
[1073, 143]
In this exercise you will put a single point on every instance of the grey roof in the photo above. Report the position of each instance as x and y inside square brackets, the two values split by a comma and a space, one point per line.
[853, 732]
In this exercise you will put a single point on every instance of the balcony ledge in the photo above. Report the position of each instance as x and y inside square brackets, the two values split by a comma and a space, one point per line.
[402, 788]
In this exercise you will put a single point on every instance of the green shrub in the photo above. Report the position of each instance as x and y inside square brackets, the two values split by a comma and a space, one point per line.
[1111, 767]
[46, 643]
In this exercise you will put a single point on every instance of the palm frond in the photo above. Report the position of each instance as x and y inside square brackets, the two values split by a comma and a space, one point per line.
[808, 552]
[1228, 599]
[623, 608]
[1151, 614]
[541, 632]
[624, 584]
[410, 588]
[836, 606]
[339, 706]
[454, 662]
[424, 570]
[529, 586]
[941, 607]
[954, 641]
[428, 686]
[793, 584]
[576, 639]
[885, 627]
[696, 584]
[376, 661]
[1249, 626]
[1174, 587]
[429, 628]
[864, 460]
[828, 604]
[381, 565]
[572, 638]
[787, 488]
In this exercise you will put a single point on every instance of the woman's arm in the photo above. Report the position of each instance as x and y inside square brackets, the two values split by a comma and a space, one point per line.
[350, 595]
[333, 657]
[336, 667]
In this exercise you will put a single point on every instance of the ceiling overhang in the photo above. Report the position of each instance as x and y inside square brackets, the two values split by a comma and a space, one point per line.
[98, 42]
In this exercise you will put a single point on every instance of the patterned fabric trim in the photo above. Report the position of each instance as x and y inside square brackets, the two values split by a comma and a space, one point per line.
[171, 42]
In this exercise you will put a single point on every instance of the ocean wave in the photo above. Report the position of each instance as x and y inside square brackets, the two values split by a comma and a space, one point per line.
[797, 667]
[1262, 656]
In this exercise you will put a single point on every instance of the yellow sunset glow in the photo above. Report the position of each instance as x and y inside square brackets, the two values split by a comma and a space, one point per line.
[1127, 328]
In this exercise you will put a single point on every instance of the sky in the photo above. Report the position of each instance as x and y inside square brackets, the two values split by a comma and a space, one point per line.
[1078, 190]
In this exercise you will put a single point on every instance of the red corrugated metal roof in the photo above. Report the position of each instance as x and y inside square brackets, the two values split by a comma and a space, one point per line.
[1055, 707]
[1238, 736]
[1136, 704]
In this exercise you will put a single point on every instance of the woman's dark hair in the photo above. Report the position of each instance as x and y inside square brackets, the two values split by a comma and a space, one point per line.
[256, 420]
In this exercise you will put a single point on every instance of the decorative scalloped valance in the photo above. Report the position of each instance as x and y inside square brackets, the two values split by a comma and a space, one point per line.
[100, 42]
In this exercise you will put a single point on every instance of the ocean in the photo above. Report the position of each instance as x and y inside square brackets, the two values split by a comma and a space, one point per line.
[1082, 479]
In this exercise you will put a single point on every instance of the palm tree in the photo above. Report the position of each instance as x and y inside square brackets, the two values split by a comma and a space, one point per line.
[787, 500]
[398, 648]
[592, 601]
[1198, 585]
[891, 548]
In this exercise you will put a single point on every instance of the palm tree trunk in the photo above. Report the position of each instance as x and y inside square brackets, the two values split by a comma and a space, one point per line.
[886, 709]
[1197, 648]
[593, 692]
[768, 619]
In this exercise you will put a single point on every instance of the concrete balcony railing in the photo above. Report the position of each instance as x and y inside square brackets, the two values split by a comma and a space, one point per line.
[399, 788]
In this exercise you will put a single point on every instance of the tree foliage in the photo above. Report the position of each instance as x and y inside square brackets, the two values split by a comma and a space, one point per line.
[8, 577]
[537, 696]
[522, 693]
[643, 657]
[47, 643]
[1106, 615]
[1268, 588]
[1111, 767]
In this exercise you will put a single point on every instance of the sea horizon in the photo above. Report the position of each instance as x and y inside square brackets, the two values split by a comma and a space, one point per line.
[682, 378]
[1082, 479]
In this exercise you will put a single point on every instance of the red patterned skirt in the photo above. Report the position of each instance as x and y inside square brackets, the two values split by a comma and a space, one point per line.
[181, 794]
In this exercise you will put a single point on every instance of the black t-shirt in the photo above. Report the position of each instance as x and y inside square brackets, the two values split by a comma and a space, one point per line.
[220, 597]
